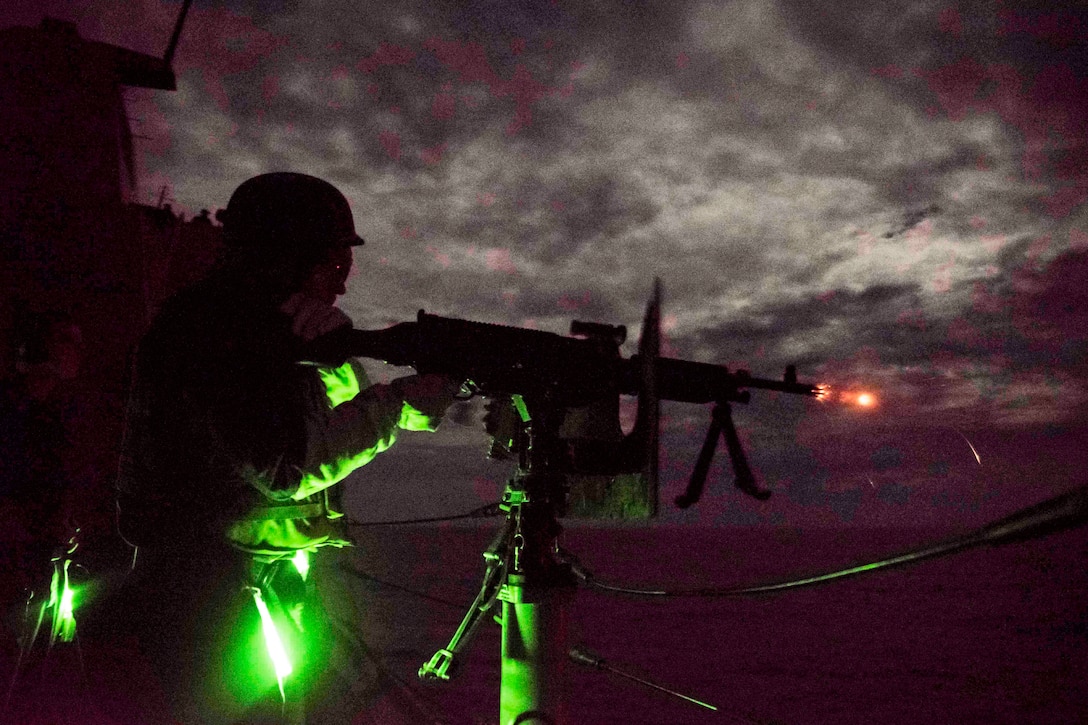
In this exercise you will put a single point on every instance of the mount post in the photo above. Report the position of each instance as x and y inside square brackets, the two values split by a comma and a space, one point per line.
[537, 587]
[534, 654]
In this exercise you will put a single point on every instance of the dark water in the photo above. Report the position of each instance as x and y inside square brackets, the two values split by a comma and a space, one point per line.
[994, 635]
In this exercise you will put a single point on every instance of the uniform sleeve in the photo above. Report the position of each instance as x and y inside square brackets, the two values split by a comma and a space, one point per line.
[348, 423]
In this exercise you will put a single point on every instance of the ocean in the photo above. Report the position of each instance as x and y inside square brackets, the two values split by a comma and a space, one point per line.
[990, 635]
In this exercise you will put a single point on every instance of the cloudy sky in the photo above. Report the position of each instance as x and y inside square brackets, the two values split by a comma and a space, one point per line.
[890, 195]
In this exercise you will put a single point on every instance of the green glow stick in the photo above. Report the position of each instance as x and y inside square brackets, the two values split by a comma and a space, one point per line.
[273, 643]
[523, 410]
[301, 560]
[62, 603]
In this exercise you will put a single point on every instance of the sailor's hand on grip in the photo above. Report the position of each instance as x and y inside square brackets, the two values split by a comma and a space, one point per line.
[430, 394]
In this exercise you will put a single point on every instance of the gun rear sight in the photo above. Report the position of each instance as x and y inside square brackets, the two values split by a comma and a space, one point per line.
[599, 331]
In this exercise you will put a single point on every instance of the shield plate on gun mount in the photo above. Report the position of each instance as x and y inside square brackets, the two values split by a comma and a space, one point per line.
[632, 492]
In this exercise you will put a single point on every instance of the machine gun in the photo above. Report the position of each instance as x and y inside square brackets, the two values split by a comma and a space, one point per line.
[579, 376]
[570, 371]
[566, 391]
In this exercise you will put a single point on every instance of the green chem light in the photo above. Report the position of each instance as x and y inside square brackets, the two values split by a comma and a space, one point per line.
[301, 560]
[276, 651]
[62, 603]
[523, 411]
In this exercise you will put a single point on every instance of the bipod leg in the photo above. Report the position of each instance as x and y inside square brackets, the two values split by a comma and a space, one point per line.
[444, 662]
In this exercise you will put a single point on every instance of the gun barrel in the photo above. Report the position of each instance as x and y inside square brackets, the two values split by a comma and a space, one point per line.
[782, 386]
[687, 381]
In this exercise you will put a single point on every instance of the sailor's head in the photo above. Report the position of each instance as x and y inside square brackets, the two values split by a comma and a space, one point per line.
[295, 221]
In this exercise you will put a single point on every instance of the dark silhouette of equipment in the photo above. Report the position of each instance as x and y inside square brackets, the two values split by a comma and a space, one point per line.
[550, 376]
[582, 656]
[558, 373]
[70, 237]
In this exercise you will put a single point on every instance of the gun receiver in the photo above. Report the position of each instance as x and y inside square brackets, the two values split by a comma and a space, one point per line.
[566, 371]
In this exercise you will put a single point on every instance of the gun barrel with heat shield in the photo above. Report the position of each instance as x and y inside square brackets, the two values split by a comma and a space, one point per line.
[687, 381]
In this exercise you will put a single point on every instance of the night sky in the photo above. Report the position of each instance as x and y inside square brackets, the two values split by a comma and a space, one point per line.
[890, 195]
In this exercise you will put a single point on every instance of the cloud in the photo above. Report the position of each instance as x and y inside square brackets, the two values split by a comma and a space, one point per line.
[884, 193]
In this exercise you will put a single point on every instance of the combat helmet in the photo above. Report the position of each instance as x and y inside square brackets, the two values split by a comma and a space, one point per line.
[284, 210]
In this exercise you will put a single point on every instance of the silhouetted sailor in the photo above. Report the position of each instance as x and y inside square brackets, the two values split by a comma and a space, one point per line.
[231, 458]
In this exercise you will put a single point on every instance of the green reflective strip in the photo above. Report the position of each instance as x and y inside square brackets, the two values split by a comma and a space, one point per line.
[332, 473]
[341, 384]
[272, 642]
[282, 513]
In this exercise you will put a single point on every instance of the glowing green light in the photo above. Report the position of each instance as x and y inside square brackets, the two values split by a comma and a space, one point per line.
[66, 607]
[332, 473]
[272, 642]
[523, 411]
[341, 384]
[301, 560]
[412, 419]
[62, 603]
